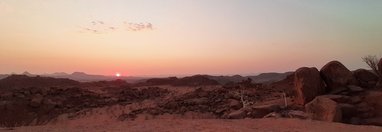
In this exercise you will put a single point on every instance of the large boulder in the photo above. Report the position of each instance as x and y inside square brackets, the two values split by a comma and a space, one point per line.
[374, 98]
[336, 75]
[380, 67]
[308, 84]
[379, 84]
[366, 79]
[324, 109]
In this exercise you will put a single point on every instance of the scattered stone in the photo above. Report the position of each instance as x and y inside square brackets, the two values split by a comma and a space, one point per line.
[235, 104]
[261, 111]
[354, 88]
[355, 99]
[308, 84]
[338, 90]
[374, 98]
[238, 114]
[363, 107]
[324, 109]
[36, 100]
[297, 114]
[273, 115]
[366, 115]
[373, 121]
[337, 98]
[355, 121]
[348, 110]
[336, 75]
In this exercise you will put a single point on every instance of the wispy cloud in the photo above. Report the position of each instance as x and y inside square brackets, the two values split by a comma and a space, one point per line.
[137, 26]
[99, 27]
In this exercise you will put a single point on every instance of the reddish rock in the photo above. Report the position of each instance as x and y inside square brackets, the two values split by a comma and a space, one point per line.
[373, 121]
[324, 109]
[336, 75]
[36, 101]
[366, 79]
[355, 89]
[337, 98]
[262, 110]
[308, 84]
[235, 104]
[380, 67]
[374, 98]
[239, 114]
[355, 100]
[348, 110]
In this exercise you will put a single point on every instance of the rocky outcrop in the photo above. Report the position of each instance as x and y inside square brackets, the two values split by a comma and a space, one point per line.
[324, 109]
[380, 67]
[336, 75]
[366, 79]
[40, 104]
[308, 84]
[374, 98]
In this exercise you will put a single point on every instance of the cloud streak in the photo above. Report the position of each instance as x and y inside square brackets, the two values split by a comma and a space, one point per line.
[100, 27]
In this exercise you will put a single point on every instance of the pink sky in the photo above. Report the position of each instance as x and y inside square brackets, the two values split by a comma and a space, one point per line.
[147, 37]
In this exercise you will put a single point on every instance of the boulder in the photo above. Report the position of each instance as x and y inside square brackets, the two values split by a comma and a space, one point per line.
[238, 114]
[374, 98]
[262, 110]
[336, 75]
[297, 114]
[235, 104]
[36, 100]
[348, 110]
[366, 79]
[373, 121]
[355, 99]
[380, 67]
[339, 90]
[324, 109]
[308, 84]
[354, 88]
[337, 98]
[355, 121]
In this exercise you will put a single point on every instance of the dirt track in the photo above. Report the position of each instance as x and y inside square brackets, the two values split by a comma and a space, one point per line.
[210, 125]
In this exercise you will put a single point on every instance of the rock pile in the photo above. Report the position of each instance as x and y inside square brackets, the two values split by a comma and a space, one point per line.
[196, 80]
[40, 104]
[349, 96]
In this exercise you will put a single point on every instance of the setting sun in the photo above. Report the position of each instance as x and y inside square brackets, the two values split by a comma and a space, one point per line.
[117, 74]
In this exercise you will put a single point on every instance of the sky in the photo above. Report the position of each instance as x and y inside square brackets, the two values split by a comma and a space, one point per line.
[173, 37]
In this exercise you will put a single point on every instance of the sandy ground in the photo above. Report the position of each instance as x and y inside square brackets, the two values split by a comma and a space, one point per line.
[207, 125]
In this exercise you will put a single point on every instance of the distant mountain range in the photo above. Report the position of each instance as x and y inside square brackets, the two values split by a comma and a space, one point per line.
[261, 78]
[84, 77]
[81, 76]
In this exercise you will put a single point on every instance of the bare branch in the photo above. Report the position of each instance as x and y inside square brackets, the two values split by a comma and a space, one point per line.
[372, 62]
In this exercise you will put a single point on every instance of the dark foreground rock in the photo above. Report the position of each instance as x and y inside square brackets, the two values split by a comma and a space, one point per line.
[324, 109]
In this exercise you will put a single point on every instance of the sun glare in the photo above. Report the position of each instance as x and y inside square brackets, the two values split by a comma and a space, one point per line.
[117, 74]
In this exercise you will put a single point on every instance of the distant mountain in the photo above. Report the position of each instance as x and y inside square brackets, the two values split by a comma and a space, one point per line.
[20, 81]
[261, 78]
[84, 77]
[27, 74]
[269, 77]
[2, 76]
[58, 74]
[227, 79]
